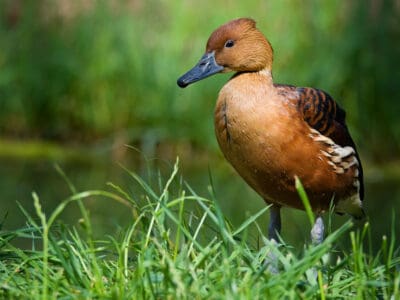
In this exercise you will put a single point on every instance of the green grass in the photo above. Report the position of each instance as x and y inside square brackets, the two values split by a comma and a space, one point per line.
[180, 246]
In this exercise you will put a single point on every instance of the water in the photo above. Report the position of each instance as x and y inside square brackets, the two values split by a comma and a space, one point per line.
[20, 177]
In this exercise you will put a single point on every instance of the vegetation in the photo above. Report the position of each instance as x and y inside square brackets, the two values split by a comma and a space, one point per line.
[93, 69]
[103, 73]
[180, 246]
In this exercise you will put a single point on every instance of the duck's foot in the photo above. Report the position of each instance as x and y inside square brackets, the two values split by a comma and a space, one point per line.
[317, 237]
[271, 262]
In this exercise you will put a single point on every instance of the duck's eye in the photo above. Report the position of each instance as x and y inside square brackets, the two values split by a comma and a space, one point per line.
[229, 43]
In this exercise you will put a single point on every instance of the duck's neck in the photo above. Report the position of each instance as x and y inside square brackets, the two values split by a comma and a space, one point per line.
[266, 73]
[249, 85]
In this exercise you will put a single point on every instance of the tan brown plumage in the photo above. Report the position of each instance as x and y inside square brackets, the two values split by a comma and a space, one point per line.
[323, 114]
[271, 133]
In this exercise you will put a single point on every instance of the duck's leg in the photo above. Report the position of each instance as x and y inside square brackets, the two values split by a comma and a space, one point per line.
[274, 227]
[317, 236]
[317, 232]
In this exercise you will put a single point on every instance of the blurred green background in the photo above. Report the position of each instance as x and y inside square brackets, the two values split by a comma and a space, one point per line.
[80, 80]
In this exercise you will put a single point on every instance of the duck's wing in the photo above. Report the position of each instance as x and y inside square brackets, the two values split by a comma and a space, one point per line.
[323, 114]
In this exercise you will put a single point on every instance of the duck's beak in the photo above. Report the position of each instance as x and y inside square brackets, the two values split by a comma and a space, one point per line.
[207, 66]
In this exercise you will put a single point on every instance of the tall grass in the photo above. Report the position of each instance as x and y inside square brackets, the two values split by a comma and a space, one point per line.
[179, 245]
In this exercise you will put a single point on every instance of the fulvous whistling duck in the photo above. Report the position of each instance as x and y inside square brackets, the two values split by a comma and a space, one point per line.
[271, 133]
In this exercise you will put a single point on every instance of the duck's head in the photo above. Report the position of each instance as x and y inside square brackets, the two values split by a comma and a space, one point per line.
[235, 46]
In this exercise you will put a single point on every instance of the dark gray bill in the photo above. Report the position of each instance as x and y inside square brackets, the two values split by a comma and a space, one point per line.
[207, 66]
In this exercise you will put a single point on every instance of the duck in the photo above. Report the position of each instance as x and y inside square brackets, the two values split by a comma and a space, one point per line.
[274, 133]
